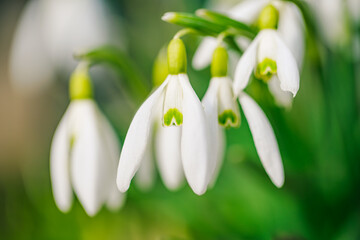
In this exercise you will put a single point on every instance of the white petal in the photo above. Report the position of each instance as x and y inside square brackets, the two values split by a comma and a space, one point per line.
[111, 146]
[220, 150]
[282, 98]
[267, 47]
[137, 139]
[210, 103]
[59, 164]
[75, 26]
[116, 199]
[194, 145]
[287, 69]
[245, 66]
[29, 62]
[264, 139]
[90, 163]
[291, 30]
[168, 156]
[145, 176]
[247, 11]
[203, 55]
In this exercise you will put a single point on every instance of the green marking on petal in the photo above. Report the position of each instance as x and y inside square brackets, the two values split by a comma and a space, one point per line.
[173, 117]
[228, 119]
[266, 69]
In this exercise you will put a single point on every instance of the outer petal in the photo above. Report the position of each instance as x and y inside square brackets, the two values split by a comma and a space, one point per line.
[287, 68]
[281, 98]
[264, 139]
[29, 62]
[116, 199]
[89, 160]
[194, 145]
[220, 147]
[291, 30]
[245, 66]
[137, 139]
[247, 11]
[204, 52]
[59, 164]
[111, 145]
[168, 156]
[210, 103]
[145, 176]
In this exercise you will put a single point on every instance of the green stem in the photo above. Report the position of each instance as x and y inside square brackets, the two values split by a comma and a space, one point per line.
[116, 59]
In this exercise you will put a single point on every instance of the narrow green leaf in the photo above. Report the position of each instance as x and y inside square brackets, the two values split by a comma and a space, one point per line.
[223, 20]
[189, 20]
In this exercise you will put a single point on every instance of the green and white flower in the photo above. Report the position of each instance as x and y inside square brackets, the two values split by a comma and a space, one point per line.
[272, 61]
[48, 33]
[290, 27]
[222, 110]
[84, 153]
[183, 128]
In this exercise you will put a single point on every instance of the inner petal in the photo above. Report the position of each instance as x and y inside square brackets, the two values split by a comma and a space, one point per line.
[228, 109]
[172, 111]
[266, 57]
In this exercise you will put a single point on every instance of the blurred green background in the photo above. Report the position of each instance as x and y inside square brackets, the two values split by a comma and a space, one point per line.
[319, 139]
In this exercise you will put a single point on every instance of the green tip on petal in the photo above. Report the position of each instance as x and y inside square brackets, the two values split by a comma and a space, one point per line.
[80, 84]
[173, 117]
[268, 18]
[266, 69]
[176, 57]
[229, 119]
[219, 64]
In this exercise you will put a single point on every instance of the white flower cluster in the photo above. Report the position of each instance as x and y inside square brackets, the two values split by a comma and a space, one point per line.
[189, 141]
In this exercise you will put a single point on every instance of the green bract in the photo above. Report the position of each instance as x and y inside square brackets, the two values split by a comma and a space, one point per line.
[176, 57]
[219, 62]
[268, 18]
[80, 84]
[266, 69]
[173, 117]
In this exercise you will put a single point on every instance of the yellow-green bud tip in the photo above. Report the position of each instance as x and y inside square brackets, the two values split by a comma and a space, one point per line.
[176, 57]
[268, 18]
[219, 64]
[80, 84]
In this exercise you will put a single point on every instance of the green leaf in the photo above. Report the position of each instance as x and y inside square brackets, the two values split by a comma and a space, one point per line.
[189, 20]
[222, 20]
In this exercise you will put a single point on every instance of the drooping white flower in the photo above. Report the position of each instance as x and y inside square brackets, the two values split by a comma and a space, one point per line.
[182, 134]
[271, 60]
[84, 155]
[222, 110]
[334, 18]
[48, 33]
[290, 28]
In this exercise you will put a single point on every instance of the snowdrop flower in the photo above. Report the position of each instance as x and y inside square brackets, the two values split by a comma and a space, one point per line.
[290, 28]
[222, 111]
[183, 127]
[334, 18]
[271, 60]
[84, 153]
[48, 33]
